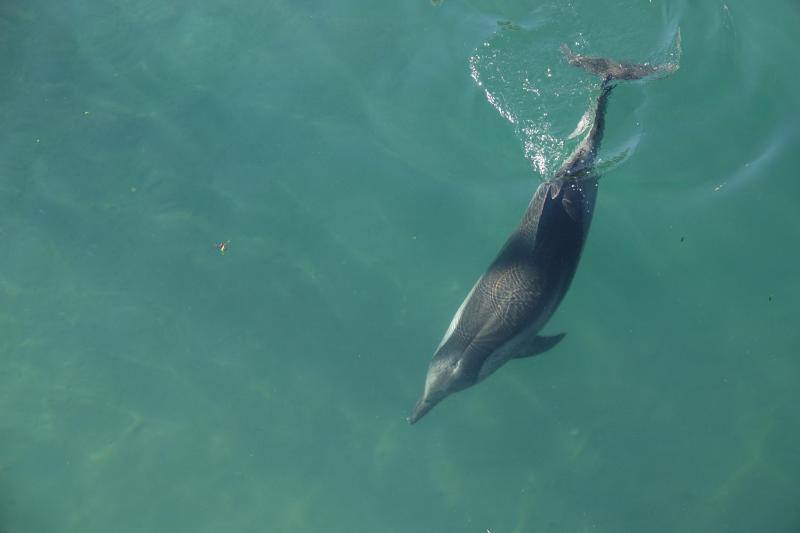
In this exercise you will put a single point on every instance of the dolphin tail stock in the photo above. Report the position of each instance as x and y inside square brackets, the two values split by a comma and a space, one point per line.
[610, 70]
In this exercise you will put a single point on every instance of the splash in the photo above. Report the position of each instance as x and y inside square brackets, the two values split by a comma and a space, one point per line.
[524, 78]
[538, 143]
[512, 97]
[520, 79]
[490, 97]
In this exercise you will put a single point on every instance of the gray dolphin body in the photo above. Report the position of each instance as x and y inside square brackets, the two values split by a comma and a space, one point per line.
[502, 315]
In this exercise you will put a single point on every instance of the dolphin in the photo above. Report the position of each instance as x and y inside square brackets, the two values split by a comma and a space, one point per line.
[501, 317]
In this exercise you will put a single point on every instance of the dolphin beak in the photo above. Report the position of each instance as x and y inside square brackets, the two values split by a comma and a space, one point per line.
[421, 409]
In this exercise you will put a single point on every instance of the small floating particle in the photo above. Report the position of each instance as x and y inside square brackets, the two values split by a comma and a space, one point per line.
[85, 113]
[770, 298]
[718, 187]
[682, 238]
[133, 189]
[223, 246]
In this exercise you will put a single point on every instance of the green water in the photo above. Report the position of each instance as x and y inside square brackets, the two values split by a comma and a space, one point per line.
[365, 180]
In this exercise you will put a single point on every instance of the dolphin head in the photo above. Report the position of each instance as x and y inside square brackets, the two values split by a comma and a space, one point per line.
[446, 375]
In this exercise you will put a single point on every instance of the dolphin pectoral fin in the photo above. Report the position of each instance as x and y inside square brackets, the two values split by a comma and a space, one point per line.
[539, 344]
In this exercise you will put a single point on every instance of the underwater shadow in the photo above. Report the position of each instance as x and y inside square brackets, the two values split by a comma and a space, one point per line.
[5, 504]
[12, 520]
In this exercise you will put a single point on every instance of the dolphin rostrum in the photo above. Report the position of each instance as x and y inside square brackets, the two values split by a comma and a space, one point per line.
[501, 317]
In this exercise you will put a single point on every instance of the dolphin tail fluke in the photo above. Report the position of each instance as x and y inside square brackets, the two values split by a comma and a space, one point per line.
[539, 344]
[610, 70]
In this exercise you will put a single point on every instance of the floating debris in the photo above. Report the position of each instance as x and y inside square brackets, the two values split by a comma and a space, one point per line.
[223, 246]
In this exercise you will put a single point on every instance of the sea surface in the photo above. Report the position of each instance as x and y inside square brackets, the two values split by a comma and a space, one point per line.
[362, 163]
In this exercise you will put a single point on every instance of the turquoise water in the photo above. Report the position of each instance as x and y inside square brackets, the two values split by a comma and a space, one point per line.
[366, 161]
